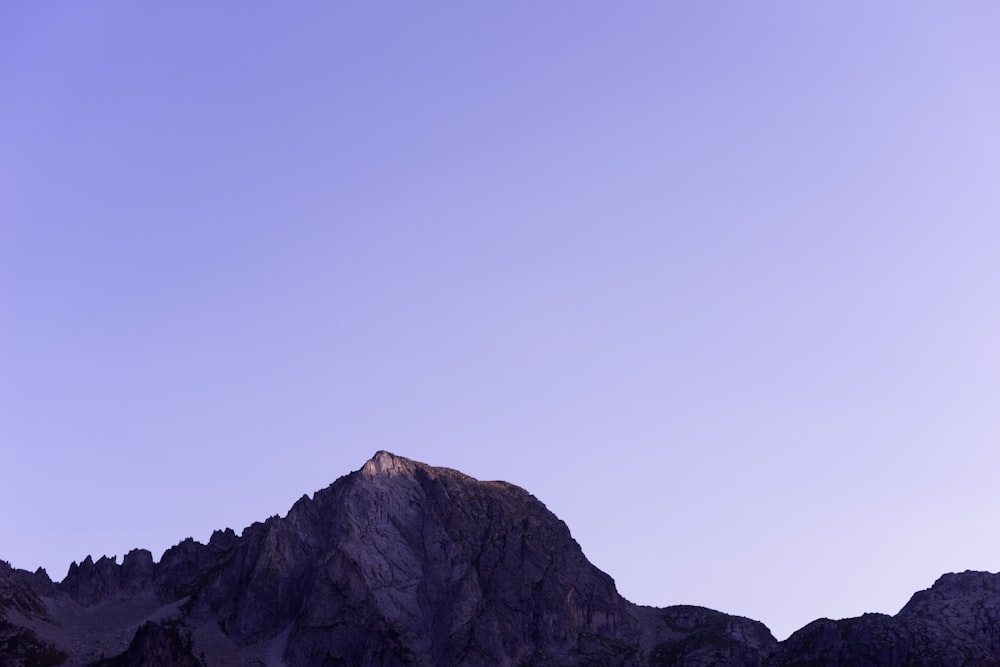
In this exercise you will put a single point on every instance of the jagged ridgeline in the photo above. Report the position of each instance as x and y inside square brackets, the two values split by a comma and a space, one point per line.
[401, 563]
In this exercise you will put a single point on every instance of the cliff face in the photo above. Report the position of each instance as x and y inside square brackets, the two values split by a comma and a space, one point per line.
[400, 563]
[452, 571]
[397, 563]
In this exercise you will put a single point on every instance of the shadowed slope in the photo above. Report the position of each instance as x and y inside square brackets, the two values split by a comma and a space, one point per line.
[397, 563]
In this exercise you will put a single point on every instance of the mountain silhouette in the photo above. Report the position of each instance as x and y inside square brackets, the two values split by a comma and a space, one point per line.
[402, 563]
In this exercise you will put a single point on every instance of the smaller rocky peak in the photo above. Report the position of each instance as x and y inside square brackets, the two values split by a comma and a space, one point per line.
[691, 635]
[139, 558]
[971, 591]
[88, 583]
[223, 539]
[387, 463]
[19, 589]
[187, 550]
[302, 507]
[107, 568]
[181, 566]
[251, 530]
[969, 581]
[137, 570]
[156, 644]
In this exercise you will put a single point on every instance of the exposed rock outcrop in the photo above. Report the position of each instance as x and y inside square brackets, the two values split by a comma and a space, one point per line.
[696, 637]
[156, 645]
[955, 622]
[21, 591]
[401, 563]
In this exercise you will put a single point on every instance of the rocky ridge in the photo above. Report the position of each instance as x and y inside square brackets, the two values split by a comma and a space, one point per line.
[401, 563]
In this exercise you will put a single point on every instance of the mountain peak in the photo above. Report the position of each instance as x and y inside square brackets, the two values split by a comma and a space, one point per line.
[401, 562]
[387, 463]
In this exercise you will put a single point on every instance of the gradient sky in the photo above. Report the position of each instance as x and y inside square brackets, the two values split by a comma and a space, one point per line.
[717, 281]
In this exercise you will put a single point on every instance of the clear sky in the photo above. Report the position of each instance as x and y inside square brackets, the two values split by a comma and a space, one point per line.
[716, 281]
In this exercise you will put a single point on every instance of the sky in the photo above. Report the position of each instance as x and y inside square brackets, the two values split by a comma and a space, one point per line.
[715, 281]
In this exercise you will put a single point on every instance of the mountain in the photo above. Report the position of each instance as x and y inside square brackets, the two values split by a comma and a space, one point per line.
[401, 563]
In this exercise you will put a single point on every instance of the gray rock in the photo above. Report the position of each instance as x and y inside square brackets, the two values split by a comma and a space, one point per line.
[156, 645]
[398, 563]
[696, 636]
[955, 622]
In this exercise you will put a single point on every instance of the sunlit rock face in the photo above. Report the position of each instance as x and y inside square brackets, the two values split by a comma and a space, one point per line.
[399, 563]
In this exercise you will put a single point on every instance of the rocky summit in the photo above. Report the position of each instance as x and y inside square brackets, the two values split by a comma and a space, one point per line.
[401, 563]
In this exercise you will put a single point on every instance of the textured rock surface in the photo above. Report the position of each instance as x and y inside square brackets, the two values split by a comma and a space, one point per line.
[156, 645]
[401, 563]
[696, 636]
[955, 622]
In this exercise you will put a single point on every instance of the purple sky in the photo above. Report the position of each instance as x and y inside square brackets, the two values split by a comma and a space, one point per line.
[717, 282]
